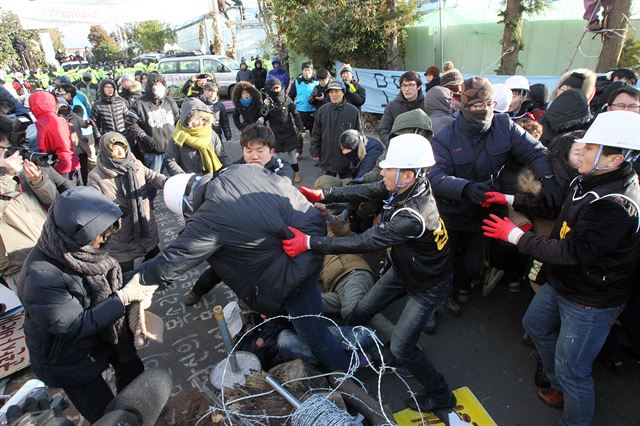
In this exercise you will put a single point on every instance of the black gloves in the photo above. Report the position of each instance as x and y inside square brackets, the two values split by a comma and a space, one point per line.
[475, 191]
[552, 191]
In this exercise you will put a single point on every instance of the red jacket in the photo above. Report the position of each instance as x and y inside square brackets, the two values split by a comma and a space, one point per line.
[53, 131]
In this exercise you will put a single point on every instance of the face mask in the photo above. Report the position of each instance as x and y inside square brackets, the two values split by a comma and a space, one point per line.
[246, 102]
[480, 119]
[159, 91]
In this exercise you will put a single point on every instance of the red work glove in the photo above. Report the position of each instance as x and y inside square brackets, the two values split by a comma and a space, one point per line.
[501, 229]
[296, 245]
[313, 195]
[496, 198]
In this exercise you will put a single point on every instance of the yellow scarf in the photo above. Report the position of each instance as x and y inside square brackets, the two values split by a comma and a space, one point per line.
[200, 140]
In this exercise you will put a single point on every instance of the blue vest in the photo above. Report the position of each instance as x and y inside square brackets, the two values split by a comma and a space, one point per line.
[303, 92]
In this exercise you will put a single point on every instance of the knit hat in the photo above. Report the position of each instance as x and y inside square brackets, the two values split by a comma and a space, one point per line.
[272, 82]
[345, 68]
[476, 90]
[451, 77]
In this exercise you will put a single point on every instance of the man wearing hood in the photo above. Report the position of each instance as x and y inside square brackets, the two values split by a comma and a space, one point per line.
[243, 74]
[150, 121]
[437, 105]
[110, 110]
[331, 120]
[285, 122]
[409, 98]
[53, 132]
[470, 154]
[258, 75]
[278, 71]
[568, 112]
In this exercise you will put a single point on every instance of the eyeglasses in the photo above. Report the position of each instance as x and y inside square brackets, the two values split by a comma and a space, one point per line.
[624, 106]
[482, 105]
[407, 85]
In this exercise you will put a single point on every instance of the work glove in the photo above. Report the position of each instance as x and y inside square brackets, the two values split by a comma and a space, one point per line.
[501, 229]
[552, 191]
[296, 245]
[312, 195]
[133, 291]
[475, 192]
[351, 88]
[496, 198]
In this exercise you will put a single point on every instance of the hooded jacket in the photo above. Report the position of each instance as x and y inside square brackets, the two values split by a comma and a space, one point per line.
[53, 131]
[239, 227]
[243, 75]
[437, 107]
[185, 159]
[258, 75]
[570, 111]
[249, 114]
[394, 109]
[330, 121]
[109, 112]
[457, 164]
[283, 119]
[61, 325]
[152, 117]
[588, 86]
[280, 73]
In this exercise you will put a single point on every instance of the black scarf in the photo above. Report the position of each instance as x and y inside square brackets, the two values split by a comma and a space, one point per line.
[125, 170]
[100, 272]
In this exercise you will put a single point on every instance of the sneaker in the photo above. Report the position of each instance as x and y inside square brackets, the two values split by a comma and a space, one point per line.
[540, 378]
[430, 404]
[297, 178]
[453, 308]
[514, 286]
[191, 298]
[552, 397]
[491, 280]
[430, 328]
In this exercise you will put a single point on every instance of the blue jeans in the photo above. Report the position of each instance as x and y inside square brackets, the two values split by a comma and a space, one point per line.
[155, 163]
[568, 337]
[291, 347]
[313, 331]
[406, 335]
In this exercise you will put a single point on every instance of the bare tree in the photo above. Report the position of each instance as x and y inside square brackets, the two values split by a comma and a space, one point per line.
[270, 23]
[617, 24]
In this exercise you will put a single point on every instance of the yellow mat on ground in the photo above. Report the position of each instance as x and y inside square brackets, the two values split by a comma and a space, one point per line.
[468, 407]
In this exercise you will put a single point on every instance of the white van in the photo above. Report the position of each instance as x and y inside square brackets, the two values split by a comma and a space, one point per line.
[178, 69]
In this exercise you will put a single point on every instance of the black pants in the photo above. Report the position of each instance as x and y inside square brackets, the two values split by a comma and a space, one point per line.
[84, 167]
[468, 249]
[308, 119]
[207, 281]
[128, 265]
[92, 398]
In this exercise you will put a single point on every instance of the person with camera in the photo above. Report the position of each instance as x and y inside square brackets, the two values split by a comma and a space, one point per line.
[194, 87]
[24, 192]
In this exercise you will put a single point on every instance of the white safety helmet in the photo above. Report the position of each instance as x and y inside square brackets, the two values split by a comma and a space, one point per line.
[619, 129]
[516, 82]
[503, 97]
[174, 192]
[408, 151]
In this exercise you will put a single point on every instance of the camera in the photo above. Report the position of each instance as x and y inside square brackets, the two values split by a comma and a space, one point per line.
[41, 159]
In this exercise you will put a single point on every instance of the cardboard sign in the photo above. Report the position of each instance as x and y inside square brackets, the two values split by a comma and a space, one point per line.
[14, 355]
[468, 408]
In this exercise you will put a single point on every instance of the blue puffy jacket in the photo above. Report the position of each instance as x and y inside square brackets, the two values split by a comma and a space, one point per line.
[456, 166]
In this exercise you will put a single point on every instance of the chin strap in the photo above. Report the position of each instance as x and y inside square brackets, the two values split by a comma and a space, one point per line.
[398, 186]
[628, 153]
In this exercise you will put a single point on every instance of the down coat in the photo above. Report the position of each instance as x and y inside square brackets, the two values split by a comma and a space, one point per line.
[109, 112]
[240, 226]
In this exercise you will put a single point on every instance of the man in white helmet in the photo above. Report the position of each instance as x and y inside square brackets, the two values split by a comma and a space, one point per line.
[520, 89]
[420, 258]
[590, 263]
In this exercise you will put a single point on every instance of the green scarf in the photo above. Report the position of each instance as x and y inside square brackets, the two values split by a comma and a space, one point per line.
[200, 140]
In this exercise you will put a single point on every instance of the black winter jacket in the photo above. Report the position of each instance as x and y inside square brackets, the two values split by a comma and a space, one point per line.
[330, 121]
[249, 114]
[239, 229]
[394, 109]
[220, 117]
[411, 226]
[61, 326]
[109, 112]
[591, 257]
[358, 97]
[152, 117]
[319, 92]
[258, 76]
[285, 122]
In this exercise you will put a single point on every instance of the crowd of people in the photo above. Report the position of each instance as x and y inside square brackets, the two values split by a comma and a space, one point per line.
[467, 185]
